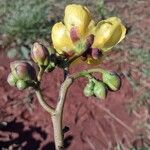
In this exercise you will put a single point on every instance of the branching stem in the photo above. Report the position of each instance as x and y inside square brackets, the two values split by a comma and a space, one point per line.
[43, 103]
[57, 112]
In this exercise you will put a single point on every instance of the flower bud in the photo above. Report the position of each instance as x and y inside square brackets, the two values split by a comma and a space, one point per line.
[40, 54]
[73, 34]
[11, 79]
[100, 90]
[89, 40]
[23, 70]
[88, 90]
[21, 84]
[96, 53]
[112, 80]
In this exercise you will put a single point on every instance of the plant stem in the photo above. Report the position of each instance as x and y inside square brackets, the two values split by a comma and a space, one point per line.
[41, 71]
[58, 116]
[42, 102]
[80, 74]
[57, 113]
[58, 132]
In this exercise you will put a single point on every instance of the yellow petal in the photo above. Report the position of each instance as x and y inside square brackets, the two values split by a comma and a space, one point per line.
[89, 61]
[94, 62]
[91, 28]
[78, 16]
[61, 39]
[108, 33]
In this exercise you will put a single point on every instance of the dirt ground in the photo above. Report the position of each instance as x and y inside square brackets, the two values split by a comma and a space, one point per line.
[93, 124]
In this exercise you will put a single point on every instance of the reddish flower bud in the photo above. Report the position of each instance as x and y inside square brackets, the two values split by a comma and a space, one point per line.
[40, 54]
[74, 34]
[23, 70]
[96, 53]
[89, 40]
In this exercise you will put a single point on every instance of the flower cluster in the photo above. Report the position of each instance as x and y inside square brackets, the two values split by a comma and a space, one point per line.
[22, 75]
[99, 88]
[80, 35]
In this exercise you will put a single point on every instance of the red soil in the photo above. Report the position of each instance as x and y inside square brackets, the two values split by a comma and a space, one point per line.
[91, 121]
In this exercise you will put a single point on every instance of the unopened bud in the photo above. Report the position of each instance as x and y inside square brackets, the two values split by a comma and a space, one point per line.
[96, 53]
[88, 90]
[112, 80]
[11, 79]
[23, 70]
[100, 90]
[74, 34]
[39, 54]
[89, 40]
[21, 84]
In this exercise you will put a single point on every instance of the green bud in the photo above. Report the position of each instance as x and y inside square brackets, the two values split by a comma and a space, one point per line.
[21, 84]
[40, 54]
[100, 90]
[11, 79]
[112, 80]
[88, 90]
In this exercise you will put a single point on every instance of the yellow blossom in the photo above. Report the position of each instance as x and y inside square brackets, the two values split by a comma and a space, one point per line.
[77, 16]
[61, 39]
[108, 33]
[79, 34]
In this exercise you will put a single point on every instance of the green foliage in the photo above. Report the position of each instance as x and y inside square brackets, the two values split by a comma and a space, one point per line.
[101, 8]
[141, 148]
[25, 21]
[26, 18]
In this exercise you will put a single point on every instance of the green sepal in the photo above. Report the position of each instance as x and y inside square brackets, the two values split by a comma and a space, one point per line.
[21, 84]
[11, 79]
[100, 90]
[88, 90]
[80, 47]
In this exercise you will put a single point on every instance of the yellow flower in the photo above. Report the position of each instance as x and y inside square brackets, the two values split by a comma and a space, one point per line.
[61, 39]
[79, 34]
[108, 33]
[77, 16]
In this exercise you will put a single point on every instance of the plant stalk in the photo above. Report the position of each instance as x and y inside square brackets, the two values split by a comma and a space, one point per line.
[57, 113]
[58, 132]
